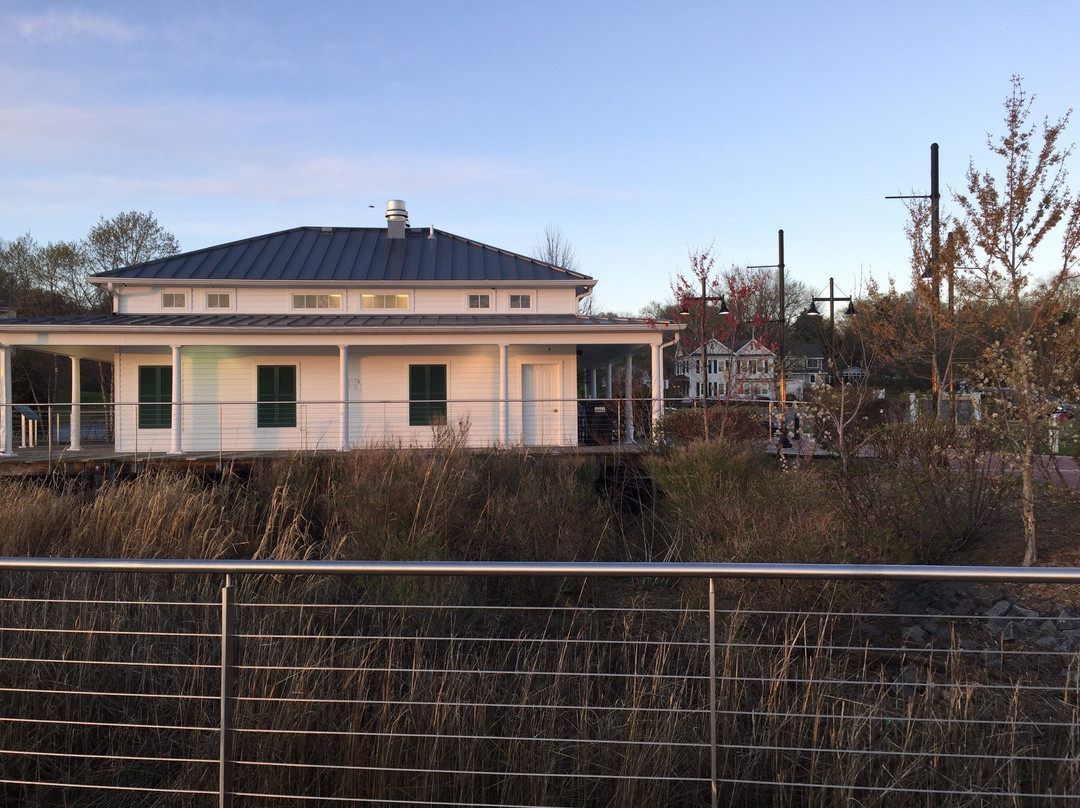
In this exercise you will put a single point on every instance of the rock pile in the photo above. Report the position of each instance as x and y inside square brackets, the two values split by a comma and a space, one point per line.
[970, 617]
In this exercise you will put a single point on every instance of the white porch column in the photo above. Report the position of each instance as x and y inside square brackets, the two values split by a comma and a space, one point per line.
[657, 385]
[343, 395]
[7, 414]
[628, 391]
[75, 425]
[610, 389]
[504, 393]
[592, 384]
[177, 402]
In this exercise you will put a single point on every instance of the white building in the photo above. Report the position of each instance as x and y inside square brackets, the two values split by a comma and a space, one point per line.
[748, 372]
[341, 337]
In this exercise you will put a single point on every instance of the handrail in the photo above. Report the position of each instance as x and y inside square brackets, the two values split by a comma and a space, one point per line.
[894, 572]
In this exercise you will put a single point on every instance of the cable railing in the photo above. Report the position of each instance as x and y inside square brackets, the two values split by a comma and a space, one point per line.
[202, 682]
[230, 427]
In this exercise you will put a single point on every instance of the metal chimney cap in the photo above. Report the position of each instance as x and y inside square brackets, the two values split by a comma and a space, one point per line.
[395, 210]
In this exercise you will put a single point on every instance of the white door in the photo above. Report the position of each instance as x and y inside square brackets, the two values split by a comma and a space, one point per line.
[540, 405]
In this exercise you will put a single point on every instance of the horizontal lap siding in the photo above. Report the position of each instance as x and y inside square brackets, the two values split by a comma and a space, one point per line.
[128, 437]
[224, 380]
[219, 394]
[379, 394]
[438, 301]
[556, 301]
[257, 300]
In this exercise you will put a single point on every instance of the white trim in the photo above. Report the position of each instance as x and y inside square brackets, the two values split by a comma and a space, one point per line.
[481, 297]
[175, 291]
[176, 427]
[206, 300]
[340, 295]
[410, 300]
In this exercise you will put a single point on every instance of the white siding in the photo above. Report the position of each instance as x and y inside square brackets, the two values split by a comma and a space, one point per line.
[379, 395]
[278, 300]
[556, 301]
[219, 395]
[438, 301]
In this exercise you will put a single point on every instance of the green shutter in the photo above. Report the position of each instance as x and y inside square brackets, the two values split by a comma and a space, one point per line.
[155, 397]
[427, 394]
[276, 393]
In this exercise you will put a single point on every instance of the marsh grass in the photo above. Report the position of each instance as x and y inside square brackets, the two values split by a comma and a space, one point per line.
[491, 691]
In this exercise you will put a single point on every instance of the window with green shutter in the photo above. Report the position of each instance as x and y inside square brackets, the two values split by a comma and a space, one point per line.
[276, 391]
[427, 395]
[155, 396]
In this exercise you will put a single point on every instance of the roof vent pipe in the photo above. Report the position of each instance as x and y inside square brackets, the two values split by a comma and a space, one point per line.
[397, 218]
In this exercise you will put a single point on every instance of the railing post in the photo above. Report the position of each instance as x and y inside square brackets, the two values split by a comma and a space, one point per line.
[712, 691]
[228, 635]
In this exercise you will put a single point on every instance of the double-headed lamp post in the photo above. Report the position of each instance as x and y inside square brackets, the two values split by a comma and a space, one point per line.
[832, 300]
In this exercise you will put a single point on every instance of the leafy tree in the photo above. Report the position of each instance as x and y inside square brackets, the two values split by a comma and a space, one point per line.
[127, 239]
[124, 240]
[1007, 224]
[51, 281]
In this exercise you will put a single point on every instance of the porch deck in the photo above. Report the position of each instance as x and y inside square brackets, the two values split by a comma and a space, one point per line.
[103, 460]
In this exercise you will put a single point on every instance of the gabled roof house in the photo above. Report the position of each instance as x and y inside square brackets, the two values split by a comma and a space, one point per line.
[748, 372]
[333, 338]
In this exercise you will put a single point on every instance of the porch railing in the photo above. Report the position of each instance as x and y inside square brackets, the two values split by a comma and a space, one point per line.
[227, 427]
[134, 682]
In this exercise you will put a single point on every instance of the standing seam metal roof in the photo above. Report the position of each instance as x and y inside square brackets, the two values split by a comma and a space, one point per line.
[349, 254]
[356, 321]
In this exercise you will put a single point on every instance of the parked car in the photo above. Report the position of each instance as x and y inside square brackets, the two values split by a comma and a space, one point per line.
[1063, 410]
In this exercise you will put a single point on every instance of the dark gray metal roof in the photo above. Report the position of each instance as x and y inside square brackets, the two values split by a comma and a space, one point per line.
[331, 321]
[347, 254]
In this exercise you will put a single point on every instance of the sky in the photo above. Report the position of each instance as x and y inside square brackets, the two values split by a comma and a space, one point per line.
[642, 131]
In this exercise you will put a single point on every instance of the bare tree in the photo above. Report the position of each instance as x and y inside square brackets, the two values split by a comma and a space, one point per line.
[1005, 225]
[552, 247]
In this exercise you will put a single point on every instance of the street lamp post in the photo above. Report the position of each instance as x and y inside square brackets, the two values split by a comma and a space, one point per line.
[779, 265]
[832, 300]
[933, 273]
[705, 299]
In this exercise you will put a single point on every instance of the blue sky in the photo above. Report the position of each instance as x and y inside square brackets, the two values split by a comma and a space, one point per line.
[640, 130]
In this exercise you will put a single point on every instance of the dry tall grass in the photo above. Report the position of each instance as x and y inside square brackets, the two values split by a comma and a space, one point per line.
[529, 700]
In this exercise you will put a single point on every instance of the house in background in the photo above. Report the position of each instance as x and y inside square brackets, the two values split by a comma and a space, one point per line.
[806, 367]
[745, 373]
[750, 371]
[317, 338]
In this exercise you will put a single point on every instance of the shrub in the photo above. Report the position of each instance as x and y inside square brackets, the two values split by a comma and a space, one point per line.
[726, 424]
[926, 488]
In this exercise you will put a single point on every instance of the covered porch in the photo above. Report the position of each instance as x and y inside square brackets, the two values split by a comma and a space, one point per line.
[198, 392]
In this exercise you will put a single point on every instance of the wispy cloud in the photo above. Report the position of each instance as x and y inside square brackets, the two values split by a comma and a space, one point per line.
[55, 26]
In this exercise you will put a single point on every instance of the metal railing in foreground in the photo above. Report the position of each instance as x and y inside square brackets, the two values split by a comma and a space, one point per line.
[297, 683]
